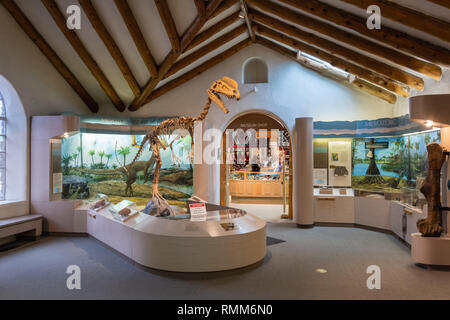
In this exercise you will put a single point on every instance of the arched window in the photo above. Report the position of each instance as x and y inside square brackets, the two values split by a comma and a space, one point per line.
[256, 71]
[2, 148]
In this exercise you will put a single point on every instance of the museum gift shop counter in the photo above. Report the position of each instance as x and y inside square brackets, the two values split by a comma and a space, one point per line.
[226, 240]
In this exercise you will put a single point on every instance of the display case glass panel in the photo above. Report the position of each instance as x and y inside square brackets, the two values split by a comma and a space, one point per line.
[94, 163]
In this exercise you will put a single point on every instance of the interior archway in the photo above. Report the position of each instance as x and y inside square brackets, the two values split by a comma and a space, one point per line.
[241, 182]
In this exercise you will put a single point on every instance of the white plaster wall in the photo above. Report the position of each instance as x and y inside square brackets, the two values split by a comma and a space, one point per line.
[40, 87]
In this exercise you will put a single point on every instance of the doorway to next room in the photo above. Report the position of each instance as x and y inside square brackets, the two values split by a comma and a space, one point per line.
[256, 171]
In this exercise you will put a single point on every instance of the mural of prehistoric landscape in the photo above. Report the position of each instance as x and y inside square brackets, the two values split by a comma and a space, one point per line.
[399, 165]
[94, 163]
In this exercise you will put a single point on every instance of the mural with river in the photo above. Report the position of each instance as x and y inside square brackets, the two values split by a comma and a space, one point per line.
[93, 163]
[402, 165]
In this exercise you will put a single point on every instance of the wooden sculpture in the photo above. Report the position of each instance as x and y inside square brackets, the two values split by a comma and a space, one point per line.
[431, 188]
[226, 87]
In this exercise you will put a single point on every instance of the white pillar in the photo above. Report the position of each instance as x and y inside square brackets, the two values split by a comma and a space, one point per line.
[200, 168]
[303, 173]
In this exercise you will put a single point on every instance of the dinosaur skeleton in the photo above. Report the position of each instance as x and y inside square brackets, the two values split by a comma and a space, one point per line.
[226, 87]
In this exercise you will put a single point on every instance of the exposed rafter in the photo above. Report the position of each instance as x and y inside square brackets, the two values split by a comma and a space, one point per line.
[169, 24]
[110, 44]
[198, 70]
[386, 35]
[78, 46]
[138, 37]
[213, 45]
[51, 55]
[201, 8]
[358, 83]
[351, 39]
[172, 57]
[443, 3]
[211, 31]
[408, 17]
[343, 52]
[334, 61]
[226, 4]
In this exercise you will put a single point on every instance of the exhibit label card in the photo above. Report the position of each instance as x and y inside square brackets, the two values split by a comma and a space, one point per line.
[198, 211]
[57, 182]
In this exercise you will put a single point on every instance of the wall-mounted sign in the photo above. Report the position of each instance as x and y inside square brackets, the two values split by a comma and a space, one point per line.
[377, 145]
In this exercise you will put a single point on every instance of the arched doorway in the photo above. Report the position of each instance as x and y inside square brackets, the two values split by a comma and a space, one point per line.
[256, 171]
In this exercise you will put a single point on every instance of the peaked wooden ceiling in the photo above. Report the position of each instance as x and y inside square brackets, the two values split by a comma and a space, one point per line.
[160, 44]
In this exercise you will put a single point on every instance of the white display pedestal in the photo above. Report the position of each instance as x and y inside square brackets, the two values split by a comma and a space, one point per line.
[430, 251]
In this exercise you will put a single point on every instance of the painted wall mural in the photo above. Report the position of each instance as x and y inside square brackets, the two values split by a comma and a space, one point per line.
[94, 163]
[391, 164]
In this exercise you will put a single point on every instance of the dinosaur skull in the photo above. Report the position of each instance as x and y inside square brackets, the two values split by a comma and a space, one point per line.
[227, 87]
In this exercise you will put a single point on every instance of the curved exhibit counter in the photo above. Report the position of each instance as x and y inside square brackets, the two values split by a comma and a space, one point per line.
[182, 245]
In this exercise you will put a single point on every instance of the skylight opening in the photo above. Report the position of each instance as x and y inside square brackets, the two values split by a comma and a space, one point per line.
[318, 63]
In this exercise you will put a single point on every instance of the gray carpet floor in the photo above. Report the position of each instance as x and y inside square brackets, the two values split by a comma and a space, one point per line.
[37, 271]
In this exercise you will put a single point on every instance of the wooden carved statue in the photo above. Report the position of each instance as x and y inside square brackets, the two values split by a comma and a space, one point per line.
[226, 87]
[431, 188]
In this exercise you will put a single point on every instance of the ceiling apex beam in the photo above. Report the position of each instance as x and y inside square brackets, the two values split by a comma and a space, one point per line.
[111, 45]
[213, 45]
[337, 62]
[244, 11]
[343, 52]
[408, 17]
[172, 57]
[304, 21]
[50, 54]
[138, 37]
[386, 35]
[360, 84]
[211, 31]
[88, 60]
[198, 70]
[169, 23]
[201, 8]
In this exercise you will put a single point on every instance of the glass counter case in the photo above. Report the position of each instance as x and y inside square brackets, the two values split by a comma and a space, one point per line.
[265, 183]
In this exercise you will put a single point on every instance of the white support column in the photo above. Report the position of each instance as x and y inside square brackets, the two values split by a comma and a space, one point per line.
[303, 173]
[200, 168]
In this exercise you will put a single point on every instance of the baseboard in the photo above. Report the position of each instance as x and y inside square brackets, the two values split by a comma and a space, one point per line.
[65, 234]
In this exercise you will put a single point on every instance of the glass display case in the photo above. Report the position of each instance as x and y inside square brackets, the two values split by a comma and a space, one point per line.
[265, 183]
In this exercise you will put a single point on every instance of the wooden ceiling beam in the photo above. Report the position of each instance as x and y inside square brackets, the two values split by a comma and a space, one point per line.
[244, 10]
[408, 17]
[198, 70]
[111, 45]
[213, 45]
[343, 52]
[342, 64]
[49, 53]
[169, 24]
[138, 37]
[211, 31]
[201, 8]
[421, 66]
[385, 35]
[442, 3]
[358, 83]
[226, 4]
[172, 57]
[88, 60]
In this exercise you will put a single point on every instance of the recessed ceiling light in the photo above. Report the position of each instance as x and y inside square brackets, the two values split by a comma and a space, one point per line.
[321, 270]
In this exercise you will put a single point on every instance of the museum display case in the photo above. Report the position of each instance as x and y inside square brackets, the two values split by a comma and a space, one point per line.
[265, 183]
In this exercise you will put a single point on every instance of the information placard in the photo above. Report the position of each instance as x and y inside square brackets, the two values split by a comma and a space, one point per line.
[198, 211]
